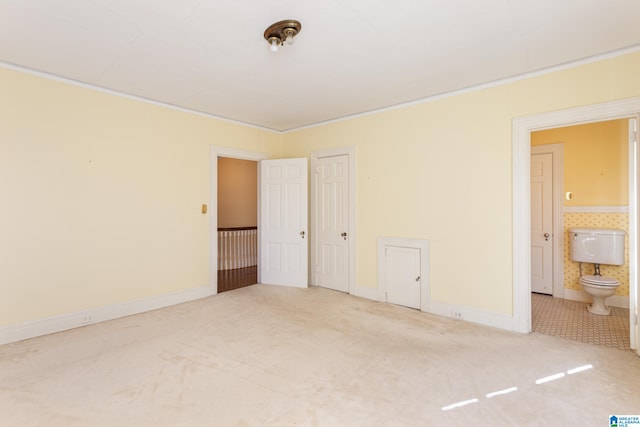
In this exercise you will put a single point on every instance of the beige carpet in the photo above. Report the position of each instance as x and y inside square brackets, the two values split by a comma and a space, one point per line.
[275, 356]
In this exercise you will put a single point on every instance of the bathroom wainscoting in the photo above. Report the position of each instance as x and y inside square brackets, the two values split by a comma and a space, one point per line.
[571, 320]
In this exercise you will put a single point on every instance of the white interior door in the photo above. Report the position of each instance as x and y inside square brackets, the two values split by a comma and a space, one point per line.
[283, 222]
[332, 222]
[542, 223]
[403, 275]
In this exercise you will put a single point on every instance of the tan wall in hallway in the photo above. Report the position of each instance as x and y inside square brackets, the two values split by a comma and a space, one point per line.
[237, 193]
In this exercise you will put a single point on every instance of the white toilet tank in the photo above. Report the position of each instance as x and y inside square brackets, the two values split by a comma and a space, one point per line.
[597, 245]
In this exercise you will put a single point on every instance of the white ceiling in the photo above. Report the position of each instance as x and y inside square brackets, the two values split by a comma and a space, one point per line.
[352, 56]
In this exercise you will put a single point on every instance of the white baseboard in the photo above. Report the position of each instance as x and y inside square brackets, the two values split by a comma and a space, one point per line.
[35, 328]
[501, 321]
[582, 296]
[474, 315]
[365, 292]
[49, 325]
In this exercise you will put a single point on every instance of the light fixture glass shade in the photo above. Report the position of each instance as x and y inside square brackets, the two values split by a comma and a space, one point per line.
[274, 43]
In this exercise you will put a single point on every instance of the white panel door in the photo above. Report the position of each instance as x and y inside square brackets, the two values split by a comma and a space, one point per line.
[332, 222]
[403, 276]
[542, 223]
[283, 222]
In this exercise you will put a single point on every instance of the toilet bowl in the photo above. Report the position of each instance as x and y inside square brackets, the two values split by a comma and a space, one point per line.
[599, 287]
[597, 246]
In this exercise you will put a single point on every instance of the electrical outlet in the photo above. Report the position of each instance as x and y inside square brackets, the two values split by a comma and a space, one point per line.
[457, 315]
[87, 318]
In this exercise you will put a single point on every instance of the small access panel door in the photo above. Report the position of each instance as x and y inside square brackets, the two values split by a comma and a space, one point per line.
[403, 276]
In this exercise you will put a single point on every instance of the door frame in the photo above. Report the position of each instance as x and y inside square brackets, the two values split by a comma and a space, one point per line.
[214, 153]
[350, 152]
[521, 152]
[557, 185]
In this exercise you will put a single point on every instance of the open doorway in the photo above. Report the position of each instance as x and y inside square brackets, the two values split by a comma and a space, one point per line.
[237, 206]
[215, 153]
[521, 149]
[579, 178]
[282, 224]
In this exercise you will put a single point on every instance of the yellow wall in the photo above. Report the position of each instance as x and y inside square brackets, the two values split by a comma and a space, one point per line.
[596, 161]
[101, 197]
[237, 193]
[441, 170]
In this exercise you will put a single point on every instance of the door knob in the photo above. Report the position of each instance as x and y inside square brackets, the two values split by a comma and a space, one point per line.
[302, 234]
[344, 235]
[546, 236]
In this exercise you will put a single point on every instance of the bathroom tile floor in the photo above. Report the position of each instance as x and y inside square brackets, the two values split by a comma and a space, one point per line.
[571, 320]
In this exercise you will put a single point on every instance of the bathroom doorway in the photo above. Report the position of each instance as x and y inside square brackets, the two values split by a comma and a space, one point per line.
[579, 178]
[521, 149]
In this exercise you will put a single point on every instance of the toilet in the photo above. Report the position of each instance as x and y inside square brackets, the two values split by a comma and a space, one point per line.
[597, 246]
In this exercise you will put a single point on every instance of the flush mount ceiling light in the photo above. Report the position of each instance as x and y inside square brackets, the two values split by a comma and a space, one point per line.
[280, 32]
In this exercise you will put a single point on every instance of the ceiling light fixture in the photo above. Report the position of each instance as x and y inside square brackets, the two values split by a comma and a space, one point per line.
[280, 32]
